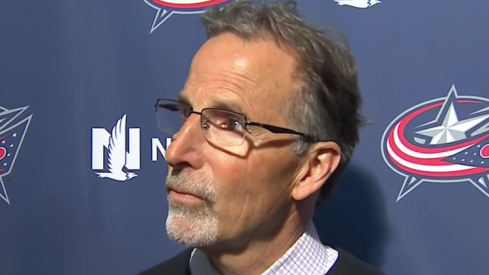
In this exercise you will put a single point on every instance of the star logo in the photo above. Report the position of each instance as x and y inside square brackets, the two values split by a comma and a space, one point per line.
[12, 133]
[166, 8]
[444, 140]
[360, 4]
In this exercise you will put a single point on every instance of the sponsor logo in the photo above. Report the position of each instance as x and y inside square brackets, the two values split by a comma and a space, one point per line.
[122, 148]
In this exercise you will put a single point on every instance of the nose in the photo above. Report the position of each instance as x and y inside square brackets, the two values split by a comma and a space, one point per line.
[185, 150]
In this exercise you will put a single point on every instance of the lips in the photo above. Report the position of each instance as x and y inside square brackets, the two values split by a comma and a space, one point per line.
[183, 192]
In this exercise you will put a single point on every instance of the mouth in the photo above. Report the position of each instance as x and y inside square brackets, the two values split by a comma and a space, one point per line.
[183, 196]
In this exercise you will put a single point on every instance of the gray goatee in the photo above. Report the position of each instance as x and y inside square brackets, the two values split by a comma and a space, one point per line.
[194, 226]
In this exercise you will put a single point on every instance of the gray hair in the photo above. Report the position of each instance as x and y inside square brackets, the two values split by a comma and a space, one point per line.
[329, 100]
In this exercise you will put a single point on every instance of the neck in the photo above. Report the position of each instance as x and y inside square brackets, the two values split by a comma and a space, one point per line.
[260, 254]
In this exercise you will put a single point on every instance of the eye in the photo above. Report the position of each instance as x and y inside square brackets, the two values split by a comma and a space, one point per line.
[224, 121]
[231, 124]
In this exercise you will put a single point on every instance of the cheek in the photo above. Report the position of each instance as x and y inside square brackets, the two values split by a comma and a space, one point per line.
[237, 151]
[231, 175]
[239, 184]
[247, 186]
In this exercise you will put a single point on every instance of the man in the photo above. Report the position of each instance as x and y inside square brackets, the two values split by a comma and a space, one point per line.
[270, 118]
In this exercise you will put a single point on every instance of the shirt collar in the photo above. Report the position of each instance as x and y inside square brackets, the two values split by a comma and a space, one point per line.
[307, 256]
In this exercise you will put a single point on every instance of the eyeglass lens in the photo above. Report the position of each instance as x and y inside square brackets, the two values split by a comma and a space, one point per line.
[219, 126]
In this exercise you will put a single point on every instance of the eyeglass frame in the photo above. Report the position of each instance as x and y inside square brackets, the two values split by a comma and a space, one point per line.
[271, 128]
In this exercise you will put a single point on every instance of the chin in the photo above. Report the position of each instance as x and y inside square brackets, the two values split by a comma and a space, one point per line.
[192, 230]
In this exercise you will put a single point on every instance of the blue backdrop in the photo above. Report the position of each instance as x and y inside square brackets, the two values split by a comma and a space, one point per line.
[413, 201]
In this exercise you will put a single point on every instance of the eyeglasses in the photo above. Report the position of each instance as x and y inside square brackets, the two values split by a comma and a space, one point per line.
[219, 126]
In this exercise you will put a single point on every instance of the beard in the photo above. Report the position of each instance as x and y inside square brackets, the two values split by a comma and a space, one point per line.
[194, 226]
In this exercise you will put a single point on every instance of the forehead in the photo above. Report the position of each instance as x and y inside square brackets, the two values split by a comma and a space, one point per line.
[258, 74]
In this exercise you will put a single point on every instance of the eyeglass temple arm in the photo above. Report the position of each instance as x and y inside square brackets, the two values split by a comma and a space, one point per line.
[276, 129]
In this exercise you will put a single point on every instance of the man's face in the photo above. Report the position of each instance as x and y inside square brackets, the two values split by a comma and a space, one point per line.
[244, 190]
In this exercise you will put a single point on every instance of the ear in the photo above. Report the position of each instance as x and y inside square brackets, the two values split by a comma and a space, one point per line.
[321, 161]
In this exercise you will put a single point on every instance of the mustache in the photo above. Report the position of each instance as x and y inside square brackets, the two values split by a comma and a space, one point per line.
[198, 185]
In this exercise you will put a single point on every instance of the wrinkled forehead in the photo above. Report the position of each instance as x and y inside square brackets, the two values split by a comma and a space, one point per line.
[255, 74]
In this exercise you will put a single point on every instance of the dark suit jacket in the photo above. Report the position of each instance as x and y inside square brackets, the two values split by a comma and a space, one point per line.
[346, 264]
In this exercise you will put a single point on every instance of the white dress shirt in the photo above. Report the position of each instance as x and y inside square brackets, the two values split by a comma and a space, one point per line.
[308, 256]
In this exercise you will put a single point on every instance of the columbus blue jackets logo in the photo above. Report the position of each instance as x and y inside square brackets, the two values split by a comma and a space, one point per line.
[166, 8]
[361, 4]
[13, 128]
[441, 141]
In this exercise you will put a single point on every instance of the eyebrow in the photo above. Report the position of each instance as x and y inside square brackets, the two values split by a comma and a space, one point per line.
[183, 99]
[222, 105]
[229, 106]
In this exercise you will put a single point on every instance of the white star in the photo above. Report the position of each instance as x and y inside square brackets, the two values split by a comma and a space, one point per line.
[14, 134]
[3, 142]
[11, 145]
[8, 155]
[452, 129]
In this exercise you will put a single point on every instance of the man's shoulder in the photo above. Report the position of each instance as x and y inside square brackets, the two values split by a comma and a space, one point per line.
[177, 265]
[348, 264]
